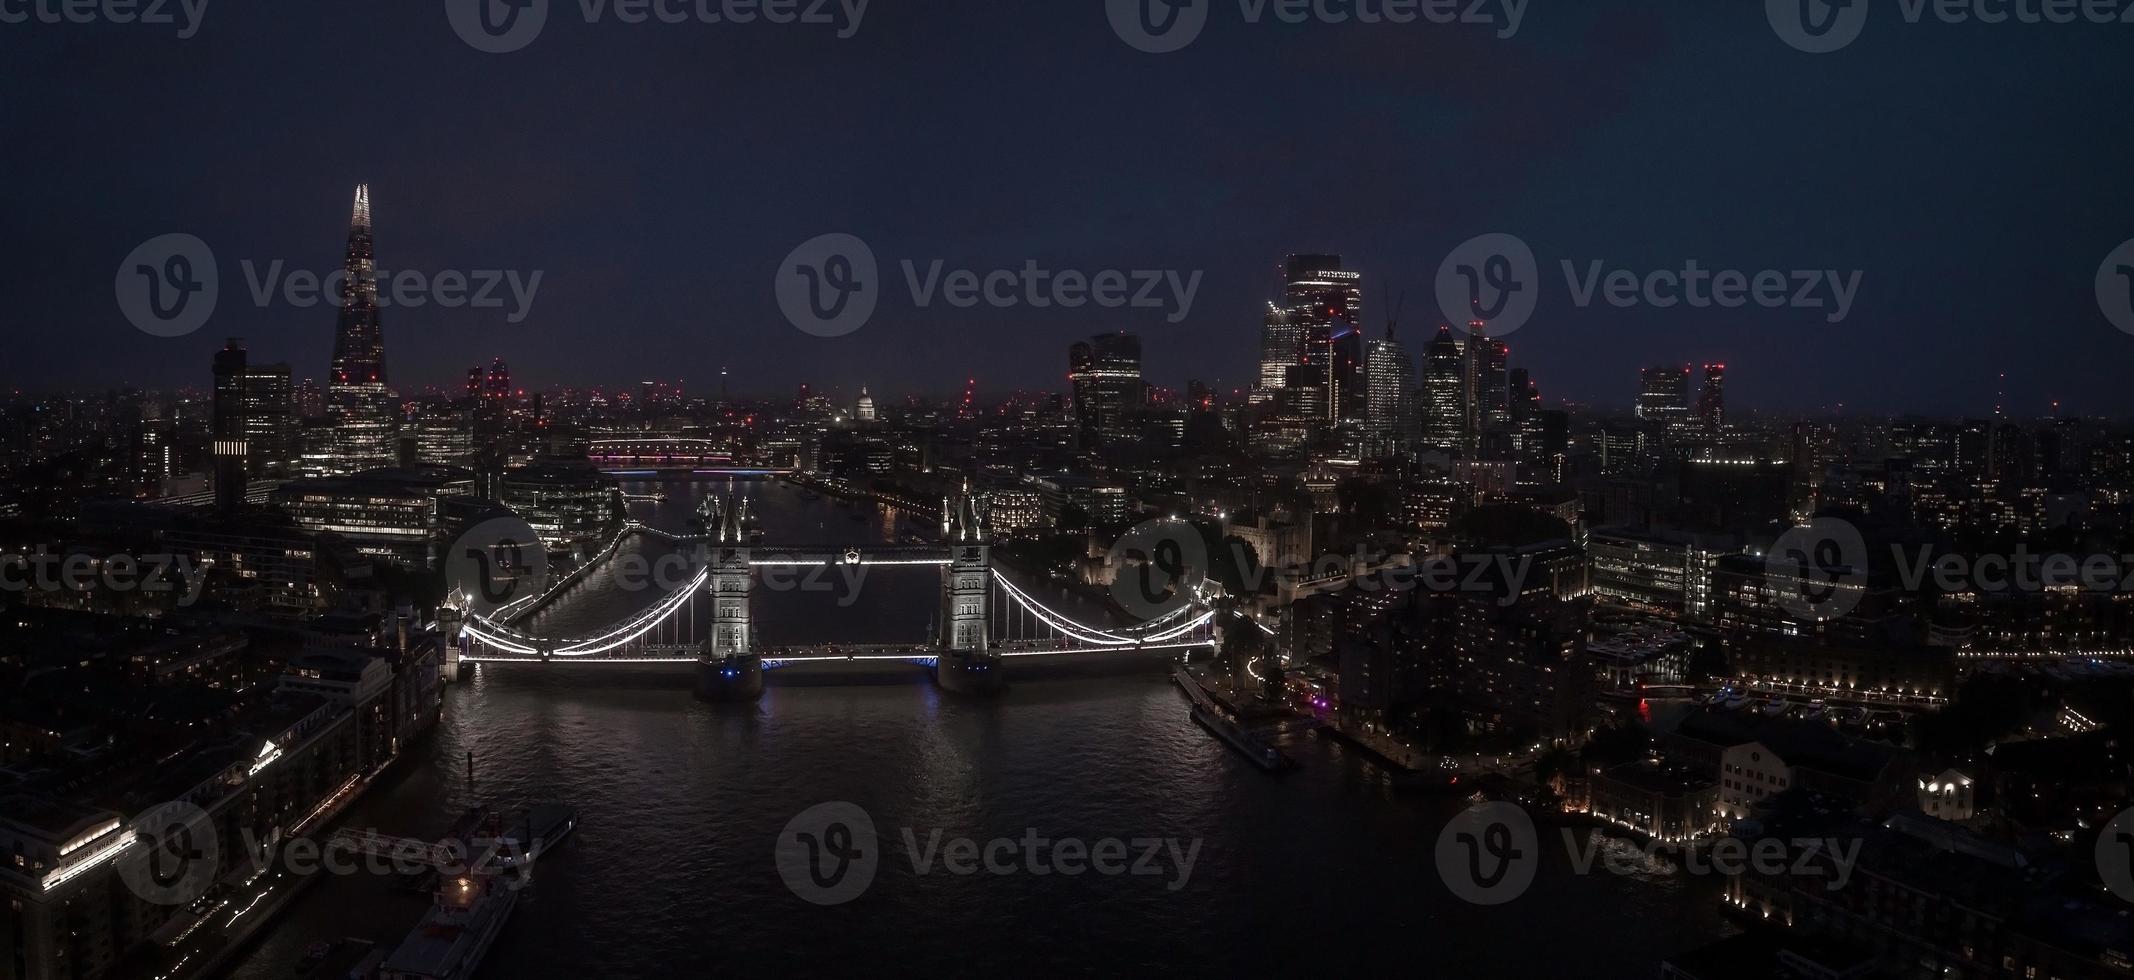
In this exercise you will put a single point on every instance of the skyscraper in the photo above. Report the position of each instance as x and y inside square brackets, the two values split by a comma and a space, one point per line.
[1325, 303]
[497, 389]
[1663, 394]
[1106, 373]
[253, 420]
[1314, 327]
[1488, 409]
[1526, 395]
[310, 401]
[358, 403]
[1711, 402]
[1310, 280]
[1281, 346]
[1444, 394]
[227, 419]
[444, 434]
[1389, 415]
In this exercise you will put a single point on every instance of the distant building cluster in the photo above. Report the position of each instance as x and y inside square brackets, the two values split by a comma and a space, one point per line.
[1685, 620]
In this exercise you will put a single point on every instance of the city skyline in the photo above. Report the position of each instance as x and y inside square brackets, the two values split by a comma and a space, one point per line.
[357, 342]
[647, 264]
[649, 488]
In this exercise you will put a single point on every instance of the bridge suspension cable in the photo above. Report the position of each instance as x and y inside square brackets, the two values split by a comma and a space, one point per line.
[516, 642]
[1094, 636]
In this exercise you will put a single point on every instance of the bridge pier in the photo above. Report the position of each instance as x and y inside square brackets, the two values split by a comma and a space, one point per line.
[735, 677]
[966, 672]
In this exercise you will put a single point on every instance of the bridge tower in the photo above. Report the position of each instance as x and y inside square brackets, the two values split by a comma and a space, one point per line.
[729, 670]
[449, 620]
[966, 662]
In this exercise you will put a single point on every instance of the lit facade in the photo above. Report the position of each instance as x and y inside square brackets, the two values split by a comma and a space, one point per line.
[364, 419]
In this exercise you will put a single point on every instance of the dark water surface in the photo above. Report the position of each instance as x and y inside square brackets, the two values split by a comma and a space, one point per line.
[671, 871]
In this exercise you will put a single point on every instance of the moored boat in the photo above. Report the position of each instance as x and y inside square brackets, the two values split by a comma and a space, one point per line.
[452, 938]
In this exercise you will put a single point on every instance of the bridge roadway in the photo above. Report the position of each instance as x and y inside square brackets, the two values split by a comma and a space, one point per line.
[922, 654]
[765, 555]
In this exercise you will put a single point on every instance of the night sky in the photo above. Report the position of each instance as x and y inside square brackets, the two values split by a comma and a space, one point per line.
[657, 175]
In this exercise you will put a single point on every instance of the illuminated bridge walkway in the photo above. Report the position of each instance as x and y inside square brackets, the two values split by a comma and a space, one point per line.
[658, 451]
[984, 619]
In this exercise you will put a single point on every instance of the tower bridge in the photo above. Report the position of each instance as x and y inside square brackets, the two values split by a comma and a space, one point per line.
[985, 619]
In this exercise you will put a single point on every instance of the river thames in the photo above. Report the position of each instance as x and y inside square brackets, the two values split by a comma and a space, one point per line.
[680, 803]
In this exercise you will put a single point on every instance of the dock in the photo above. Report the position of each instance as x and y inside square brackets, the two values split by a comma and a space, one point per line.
[1211, 716]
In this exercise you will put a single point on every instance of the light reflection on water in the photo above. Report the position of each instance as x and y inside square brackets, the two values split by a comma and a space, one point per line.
[670, 873]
